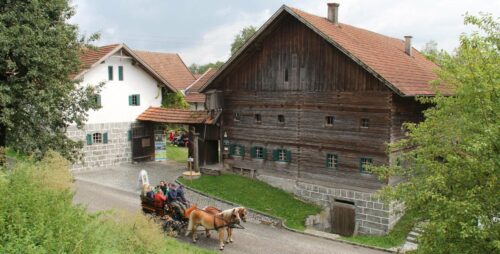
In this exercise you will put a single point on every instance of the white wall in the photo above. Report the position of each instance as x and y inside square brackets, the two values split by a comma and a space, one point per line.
[114, 95]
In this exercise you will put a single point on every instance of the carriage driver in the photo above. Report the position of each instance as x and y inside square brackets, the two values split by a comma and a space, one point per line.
[173, 199]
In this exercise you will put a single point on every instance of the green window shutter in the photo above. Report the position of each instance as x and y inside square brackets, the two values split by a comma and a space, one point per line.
[231, 149]
[120, 73]
[264, 153]
[89, 139]
[105, 138]
[110, 72]
[326, 161]
[276, 154]
[242, 150]
[138, 99]
[130, 100]
[288, 156]
[361, 165]
[253, 152]
[98, 100]
[129, 135]
[336, 164]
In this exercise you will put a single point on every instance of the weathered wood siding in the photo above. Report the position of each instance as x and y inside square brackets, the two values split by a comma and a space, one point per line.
[322, 82]
[404, 110]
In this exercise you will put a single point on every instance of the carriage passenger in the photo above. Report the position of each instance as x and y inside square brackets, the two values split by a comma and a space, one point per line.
[164, 187]
[159, 198]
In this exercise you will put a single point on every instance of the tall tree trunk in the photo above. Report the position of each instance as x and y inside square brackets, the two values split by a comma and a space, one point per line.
[3, 135]
[3, 141]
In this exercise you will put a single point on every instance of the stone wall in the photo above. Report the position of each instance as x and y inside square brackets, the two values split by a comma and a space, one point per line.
[118, 149]
[373, 216]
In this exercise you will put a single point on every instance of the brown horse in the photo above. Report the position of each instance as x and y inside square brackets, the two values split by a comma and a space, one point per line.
[216, 222]
[242, 211]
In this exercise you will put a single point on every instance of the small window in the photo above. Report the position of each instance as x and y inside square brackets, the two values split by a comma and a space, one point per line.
[362, 164]
[134, 100]
[120, 73]
[332, 161]
[365, 122]
[237, 116]
[258, 152]
[286, 75]
[329, 120]
[97, 138]
[237, 150]
[110, 72]
[281, 119]
[282, 155]
[97, 100]
[258, 118]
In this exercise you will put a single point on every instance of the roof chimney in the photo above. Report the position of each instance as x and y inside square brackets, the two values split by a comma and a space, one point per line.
[408, 45]
[333, 13]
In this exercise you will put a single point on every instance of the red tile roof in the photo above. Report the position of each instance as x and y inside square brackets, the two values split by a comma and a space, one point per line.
[381, 55]
[177, 116]
[170, 66]
[192, 93]
[384, 55]
[90, 56]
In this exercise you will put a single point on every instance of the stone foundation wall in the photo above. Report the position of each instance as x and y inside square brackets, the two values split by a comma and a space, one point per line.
[373, 216]
[118, 149]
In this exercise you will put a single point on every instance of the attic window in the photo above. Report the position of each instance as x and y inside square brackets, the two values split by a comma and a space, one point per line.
[365, 122]
[286, 75]
[281, 119]
[237, 116]
[329, 120]
[258, 118]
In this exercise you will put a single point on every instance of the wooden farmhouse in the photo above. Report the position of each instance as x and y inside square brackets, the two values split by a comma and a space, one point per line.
[308, 101]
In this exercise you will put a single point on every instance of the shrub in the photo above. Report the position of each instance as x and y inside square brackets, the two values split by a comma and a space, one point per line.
[37, 216]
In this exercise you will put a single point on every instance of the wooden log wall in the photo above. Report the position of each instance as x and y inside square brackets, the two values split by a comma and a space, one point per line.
[295, 73]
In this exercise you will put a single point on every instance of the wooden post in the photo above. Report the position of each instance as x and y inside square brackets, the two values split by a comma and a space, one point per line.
[195, 152]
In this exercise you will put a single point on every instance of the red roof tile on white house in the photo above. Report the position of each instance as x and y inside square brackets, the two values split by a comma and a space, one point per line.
[168, 68]
[193, 94]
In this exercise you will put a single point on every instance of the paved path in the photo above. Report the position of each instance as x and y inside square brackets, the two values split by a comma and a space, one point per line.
[256, 238]
[100, 190]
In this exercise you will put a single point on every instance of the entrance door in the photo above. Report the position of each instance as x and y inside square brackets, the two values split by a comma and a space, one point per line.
[142, 142]
[343, 219]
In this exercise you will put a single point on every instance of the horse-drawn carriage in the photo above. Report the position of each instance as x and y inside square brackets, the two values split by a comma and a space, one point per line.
[172, 221]
[210, 218]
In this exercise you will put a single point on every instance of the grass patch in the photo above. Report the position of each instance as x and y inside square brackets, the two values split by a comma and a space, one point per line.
[395, 238]
[178, 154]
[256, 195]
[37, 216]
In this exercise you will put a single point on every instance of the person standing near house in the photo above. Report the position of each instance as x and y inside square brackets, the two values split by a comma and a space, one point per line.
[171, 136]
[142, 179]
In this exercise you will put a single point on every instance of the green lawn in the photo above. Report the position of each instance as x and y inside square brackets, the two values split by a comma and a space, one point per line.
[395, 238]
[178, 154]
[256, 195]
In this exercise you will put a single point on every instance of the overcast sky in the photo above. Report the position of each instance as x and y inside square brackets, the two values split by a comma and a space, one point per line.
[202, 31]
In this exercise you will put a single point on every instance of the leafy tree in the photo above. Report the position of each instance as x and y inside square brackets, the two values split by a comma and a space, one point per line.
[240, 39]
[452, 177]
[39, 53]
[174, 100]
[200, 69]
[431, 52]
